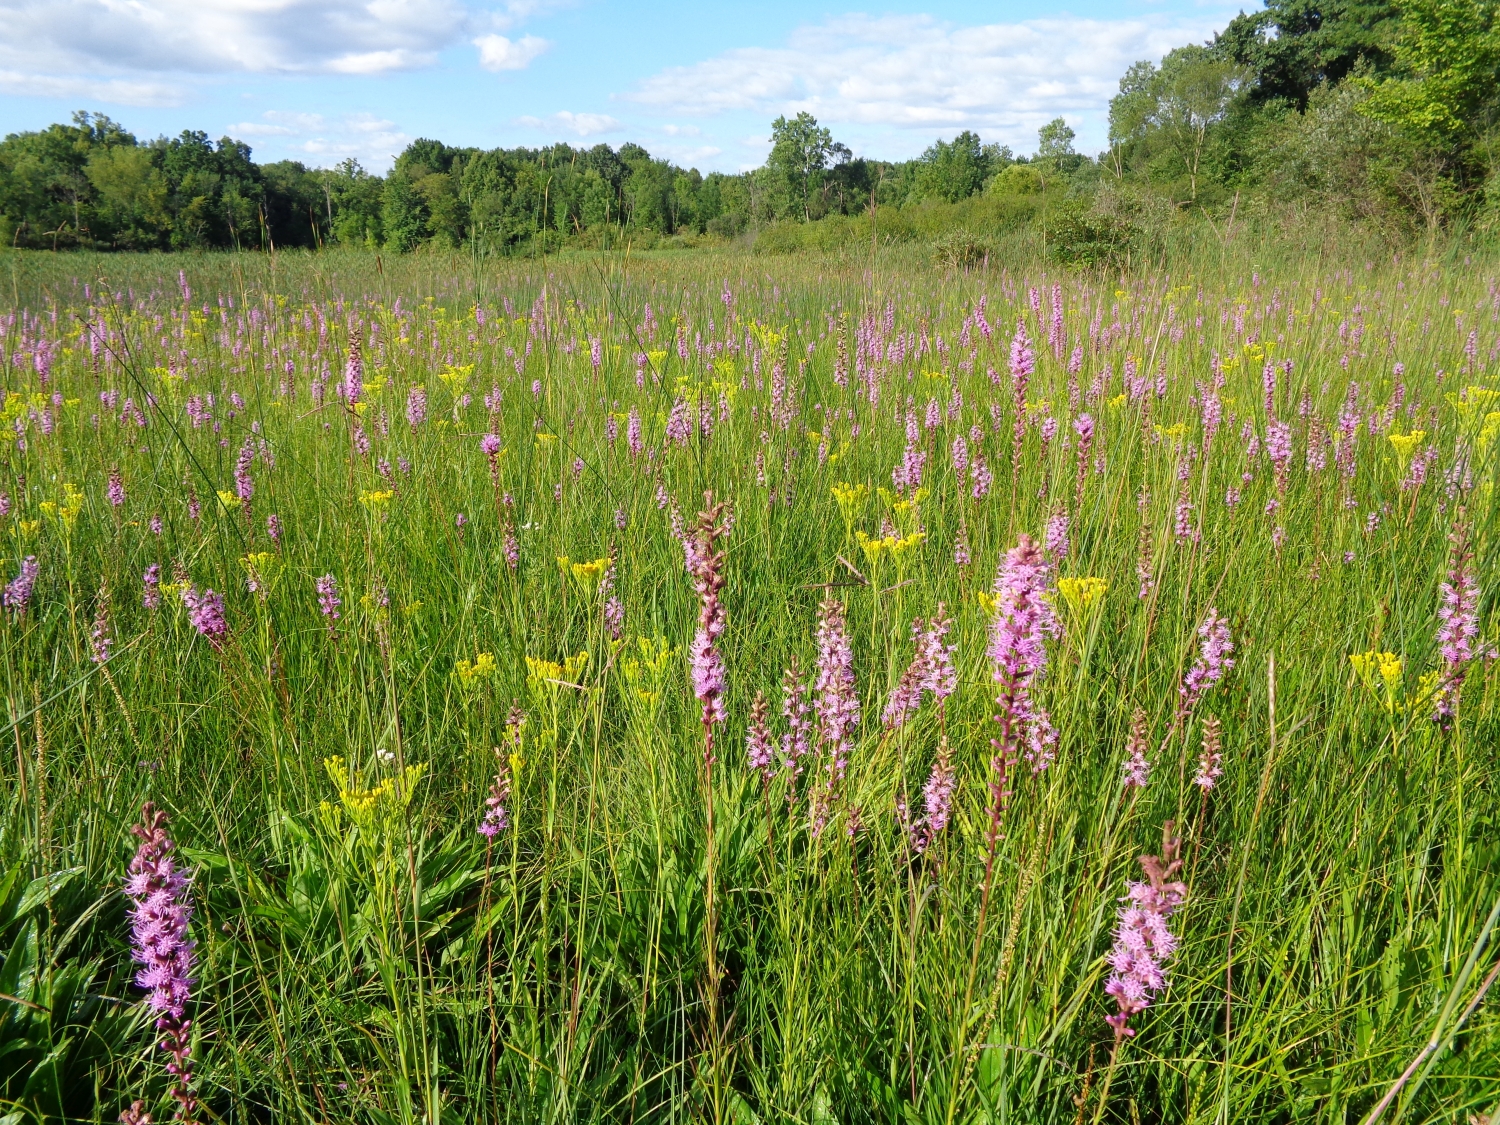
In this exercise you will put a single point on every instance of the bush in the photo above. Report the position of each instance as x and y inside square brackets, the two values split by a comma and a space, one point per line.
[960, 249]
[1088, 240]
[779, 238]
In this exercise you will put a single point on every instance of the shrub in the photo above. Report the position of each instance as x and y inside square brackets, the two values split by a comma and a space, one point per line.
[960, 249]
[1088, 240]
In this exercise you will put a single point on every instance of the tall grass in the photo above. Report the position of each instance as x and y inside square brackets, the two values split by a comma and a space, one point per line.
[374, 958]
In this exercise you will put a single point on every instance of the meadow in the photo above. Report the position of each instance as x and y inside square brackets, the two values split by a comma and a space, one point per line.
[743, 689]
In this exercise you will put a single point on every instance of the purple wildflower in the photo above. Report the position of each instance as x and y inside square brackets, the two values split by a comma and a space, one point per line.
[1211, 760]
[151, 586]
[796, 742]
[1056, 542]
[706, 565]
[161, 908]
[244, 486]
[496, 817]
[1024, 619]
[1137, 768]
[836, 705]
[354, 369]
[1458, 621]
[759, 744]
[100, 638]
[206, 614]
[18, 591]
[328, 600]
[1213, 661]
[114, 491]
[937, 801]
[1142, 940]
[273, 529]
[416, 406]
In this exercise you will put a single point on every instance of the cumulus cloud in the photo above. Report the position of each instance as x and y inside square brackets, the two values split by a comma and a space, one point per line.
[917, 73]
[582, 124]
[322, 141]
[498, 53]
[84, 37]
[116, 91]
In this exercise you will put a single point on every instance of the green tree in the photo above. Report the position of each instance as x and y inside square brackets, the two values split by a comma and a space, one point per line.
[1293, 46]
[1165, 113]
[800, 149]
[1447, 58]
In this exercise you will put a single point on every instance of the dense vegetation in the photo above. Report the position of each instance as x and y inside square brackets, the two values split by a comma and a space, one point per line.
[1378, 113]
[500, 785]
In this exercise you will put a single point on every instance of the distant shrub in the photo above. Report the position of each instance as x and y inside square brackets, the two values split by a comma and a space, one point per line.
[1088, 240]
[1017, 179]
[960, 249]
[730, 225]
[779, 238]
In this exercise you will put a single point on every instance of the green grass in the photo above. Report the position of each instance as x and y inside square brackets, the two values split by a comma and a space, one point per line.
[389, 966]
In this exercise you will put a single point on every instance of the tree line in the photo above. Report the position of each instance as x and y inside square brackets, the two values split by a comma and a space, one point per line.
[1386, 112]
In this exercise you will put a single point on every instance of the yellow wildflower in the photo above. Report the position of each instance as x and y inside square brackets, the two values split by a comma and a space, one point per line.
[1081, 593]
[1406, 444]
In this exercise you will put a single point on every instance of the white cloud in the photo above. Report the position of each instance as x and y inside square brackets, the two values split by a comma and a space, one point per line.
[682, 130]
[116, 91]
[583, 124]
[916, 73]
[85, 37]
[498, 53]
[321, 142]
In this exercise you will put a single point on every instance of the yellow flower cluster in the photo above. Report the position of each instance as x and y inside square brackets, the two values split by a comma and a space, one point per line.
[875, 549]
[549, 675]
[1406, 444]
[262, 568]
[1388, 667]
[230, 500]
[1082, 593]
[64, 511]
[646, 673]
[376, 501]
[482, 667]
[386, 800]
[586, 574]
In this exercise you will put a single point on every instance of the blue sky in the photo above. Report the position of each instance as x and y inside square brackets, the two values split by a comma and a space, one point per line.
[319, 80]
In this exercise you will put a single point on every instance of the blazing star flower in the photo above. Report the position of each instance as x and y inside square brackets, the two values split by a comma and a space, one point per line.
[244, 486]
[760, 750]
[496, 817]
[937, 801]
[206, 614]
[328, 600]
[706, 565]
[1142, 940]
[1137, 768]
[416, 406]
[18, 591]
[1458, 622]
[161, 908]
[115, 490]
[1211, 761]
[1024, 620]
[1213, 661]
[100, 638]
[836, 702]
[151, 586]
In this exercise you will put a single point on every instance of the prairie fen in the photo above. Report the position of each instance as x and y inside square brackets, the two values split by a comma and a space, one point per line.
[713, 688]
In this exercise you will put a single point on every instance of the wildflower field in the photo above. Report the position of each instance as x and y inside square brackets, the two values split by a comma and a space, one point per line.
[711, 690]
